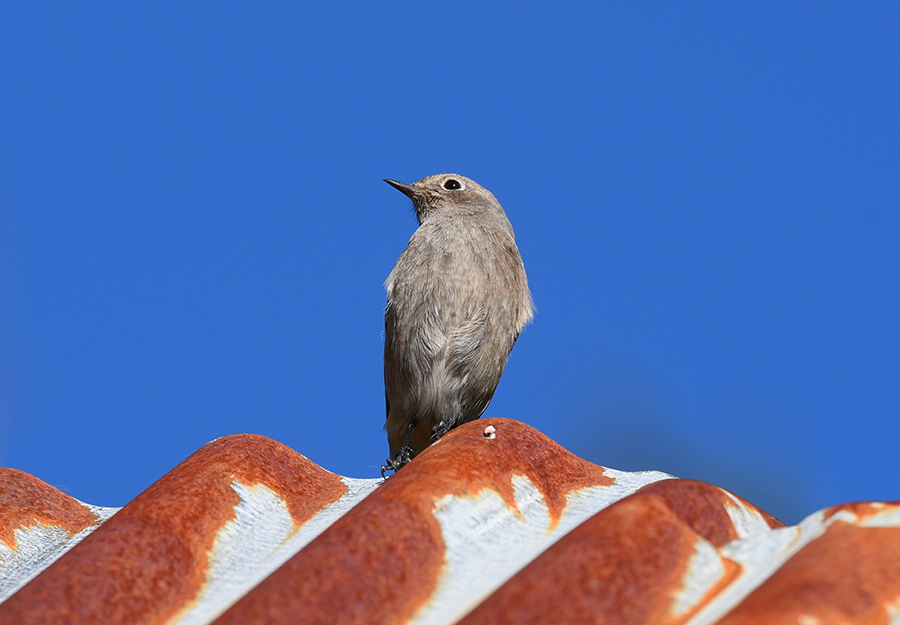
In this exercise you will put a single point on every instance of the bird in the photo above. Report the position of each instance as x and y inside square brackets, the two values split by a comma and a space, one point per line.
[457, 300]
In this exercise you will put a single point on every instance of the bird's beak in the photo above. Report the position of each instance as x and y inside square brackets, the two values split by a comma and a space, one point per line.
[406, 189]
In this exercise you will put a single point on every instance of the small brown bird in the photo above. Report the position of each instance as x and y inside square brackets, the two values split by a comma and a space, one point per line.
[457, 300]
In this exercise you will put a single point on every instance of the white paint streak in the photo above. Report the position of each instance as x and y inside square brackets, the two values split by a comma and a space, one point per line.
[486, 542]
[892, 610]
[747, 522]
[37, 547]
[704, 570]
[260, 538]
[888, 515]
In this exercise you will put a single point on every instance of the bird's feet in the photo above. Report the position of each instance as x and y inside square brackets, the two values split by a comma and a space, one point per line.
[438, 431]
[394, 464]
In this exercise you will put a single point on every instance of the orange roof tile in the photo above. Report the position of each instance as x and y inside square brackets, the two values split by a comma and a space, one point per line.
[495, 523]
[38, 523]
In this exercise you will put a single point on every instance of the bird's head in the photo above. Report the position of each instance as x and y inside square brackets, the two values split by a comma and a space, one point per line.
[448, 194]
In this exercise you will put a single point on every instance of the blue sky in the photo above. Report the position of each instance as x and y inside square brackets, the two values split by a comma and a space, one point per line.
[195, 231]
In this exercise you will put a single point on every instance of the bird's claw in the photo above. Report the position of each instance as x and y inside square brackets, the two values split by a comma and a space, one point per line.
[438, 431]
[394, 464]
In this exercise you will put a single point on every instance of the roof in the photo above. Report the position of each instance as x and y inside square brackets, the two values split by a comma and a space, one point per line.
[494, 523]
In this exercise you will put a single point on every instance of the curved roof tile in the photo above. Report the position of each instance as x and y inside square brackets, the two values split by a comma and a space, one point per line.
[495, 523]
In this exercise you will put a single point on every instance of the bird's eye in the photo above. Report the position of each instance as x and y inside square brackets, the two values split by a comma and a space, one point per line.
[452, 184]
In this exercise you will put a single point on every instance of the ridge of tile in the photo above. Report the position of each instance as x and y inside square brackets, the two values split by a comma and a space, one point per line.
[150, 561]
[27, 500]
[493, 523]
[839, 565]
[648, 558]
[37, 525]
[497, 487]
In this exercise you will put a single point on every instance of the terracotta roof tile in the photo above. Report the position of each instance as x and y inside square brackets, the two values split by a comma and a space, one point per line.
[651, 558]
[842, 566]
[152, 560]
[441, 534]
[495, 523]
[37, 525]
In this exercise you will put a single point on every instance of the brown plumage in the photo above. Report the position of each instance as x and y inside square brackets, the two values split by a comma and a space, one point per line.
[457, 300]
